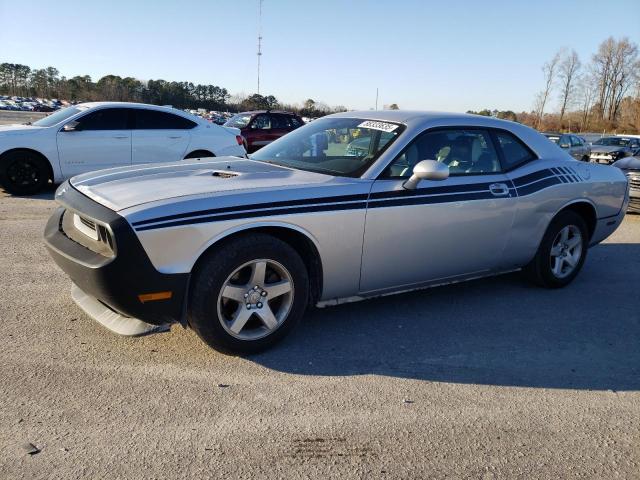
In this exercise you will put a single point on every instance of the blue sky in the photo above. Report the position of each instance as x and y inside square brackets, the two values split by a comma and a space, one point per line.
[449, 55]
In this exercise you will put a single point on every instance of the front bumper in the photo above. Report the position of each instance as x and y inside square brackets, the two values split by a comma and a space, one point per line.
[116, 281]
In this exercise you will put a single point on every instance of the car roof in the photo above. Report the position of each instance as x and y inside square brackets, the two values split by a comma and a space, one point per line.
[255, 112]
[147, 106]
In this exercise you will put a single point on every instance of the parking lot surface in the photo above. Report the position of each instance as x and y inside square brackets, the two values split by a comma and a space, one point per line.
[489, 379]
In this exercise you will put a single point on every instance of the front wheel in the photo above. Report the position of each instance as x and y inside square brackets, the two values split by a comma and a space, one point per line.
[248, 295]
[23, 173]
[562, 251]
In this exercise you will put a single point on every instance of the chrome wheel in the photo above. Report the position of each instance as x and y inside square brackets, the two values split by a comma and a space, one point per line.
[566, 251]
[255, 299]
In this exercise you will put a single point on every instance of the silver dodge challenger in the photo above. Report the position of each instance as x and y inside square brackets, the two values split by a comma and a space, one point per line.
[350, 206]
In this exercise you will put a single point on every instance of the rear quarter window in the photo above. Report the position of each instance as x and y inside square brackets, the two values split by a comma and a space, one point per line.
[514, 152]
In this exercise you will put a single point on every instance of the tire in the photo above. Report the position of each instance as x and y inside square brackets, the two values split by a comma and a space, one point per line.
[586, 158]
[543, 269]
[199, 154]
[23, 172]
[222, 291]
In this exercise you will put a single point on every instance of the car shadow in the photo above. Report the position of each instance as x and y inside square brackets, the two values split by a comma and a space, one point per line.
[496, 331]
[47, 193]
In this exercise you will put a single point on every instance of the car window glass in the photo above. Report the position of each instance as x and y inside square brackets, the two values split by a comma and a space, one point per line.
[295, 123]
[513, 150]
[262, 122]
[156, 120]
[279, 121]
[465, 152]
[104, 119]
[575, 141]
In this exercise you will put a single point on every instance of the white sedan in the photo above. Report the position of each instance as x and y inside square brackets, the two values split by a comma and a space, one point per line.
[94, 136]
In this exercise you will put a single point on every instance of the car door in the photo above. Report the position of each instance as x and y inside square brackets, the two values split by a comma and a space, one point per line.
[159, 136]
[100, 139]
[443, 229]
[578, 149]
[279, 126]
[260, 132]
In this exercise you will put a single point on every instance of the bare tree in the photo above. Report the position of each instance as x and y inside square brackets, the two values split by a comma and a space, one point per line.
[550, 70]
[587, 89]
[568, 72]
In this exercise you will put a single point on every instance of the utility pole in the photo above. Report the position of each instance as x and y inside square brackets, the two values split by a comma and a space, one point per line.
[259, 40]
[376, 98]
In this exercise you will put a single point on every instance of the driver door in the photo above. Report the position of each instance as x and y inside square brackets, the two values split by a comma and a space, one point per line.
[101, 139]
[443, 229]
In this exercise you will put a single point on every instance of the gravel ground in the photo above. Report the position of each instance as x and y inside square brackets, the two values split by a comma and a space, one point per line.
[490, 379]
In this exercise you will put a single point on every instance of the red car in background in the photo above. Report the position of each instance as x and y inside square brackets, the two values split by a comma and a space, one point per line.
[261, 127]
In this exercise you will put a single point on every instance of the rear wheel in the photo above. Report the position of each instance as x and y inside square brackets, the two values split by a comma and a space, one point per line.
[585, 158]
[562, 251]
[23, 172]
[248, 295]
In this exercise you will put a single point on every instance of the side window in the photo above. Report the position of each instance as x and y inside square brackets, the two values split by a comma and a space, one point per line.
[104, 119]
[465, 152]
[294, 122]
[261, 122]
[279, 121]
[514, 151]
[575, 141]
[156, 120]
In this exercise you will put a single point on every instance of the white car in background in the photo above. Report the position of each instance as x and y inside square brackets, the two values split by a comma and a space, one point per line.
[95, 136]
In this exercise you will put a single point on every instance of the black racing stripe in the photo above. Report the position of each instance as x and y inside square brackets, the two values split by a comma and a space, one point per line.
[532, 177]
[287, 203]
[534, 187]
[432, 199]
[257, 213]
[470, 187]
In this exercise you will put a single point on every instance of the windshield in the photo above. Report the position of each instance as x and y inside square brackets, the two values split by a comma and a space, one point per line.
[238, 121]
[612, 142]
[59, 116]
[343, 147]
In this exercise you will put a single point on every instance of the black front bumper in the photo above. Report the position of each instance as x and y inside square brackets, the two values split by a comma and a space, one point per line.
[115, 281]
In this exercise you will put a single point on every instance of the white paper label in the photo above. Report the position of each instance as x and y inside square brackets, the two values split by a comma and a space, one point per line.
[384, 126]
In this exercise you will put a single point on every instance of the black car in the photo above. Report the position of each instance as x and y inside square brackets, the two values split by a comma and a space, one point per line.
[609, 149]
[631, 168]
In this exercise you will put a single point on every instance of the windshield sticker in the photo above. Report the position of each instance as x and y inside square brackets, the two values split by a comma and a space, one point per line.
[385, 127]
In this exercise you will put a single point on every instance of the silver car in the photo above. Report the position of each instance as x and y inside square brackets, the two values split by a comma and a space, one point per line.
[237, 249]
[574, 145]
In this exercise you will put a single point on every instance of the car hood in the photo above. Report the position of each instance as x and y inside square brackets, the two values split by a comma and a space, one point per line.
[606, 149]
[125, 187]
[17, 129]
[628, 163]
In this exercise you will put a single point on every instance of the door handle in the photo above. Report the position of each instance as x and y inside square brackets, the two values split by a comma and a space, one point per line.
[499, 189]
[120, 136]
[175, 136]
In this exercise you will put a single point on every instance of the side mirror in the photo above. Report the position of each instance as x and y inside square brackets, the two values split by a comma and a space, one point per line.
[70, 127]
[426, 170]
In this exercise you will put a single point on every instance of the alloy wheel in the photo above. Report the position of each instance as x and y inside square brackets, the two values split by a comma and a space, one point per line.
[566, 251]
[255, 299]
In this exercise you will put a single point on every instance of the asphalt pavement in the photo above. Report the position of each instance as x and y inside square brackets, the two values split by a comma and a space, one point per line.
[490, 379]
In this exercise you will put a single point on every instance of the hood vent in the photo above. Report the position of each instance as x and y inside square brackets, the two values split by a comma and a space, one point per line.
[221, 174]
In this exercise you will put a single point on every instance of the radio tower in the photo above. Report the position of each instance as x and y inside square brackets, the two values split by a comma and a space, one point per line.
[259, 40]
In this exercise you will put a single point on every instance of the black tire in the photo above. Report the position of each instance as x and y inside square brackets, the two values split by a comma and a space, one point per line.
[586, 158]
[539, 270]
[199, 154]
[23, 172]
[210, 276]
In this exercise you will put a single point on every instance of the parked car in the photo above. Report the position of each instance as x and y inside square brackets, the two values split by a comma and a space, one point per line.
[238, 248]
[609, 149]
[631, 168]
[261, 127]
[574, 145]
[43, 107]
[93, 136]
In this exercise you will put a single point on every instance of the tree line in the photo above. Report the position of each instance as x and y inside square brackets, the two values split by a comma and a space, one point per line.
[22, 80]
